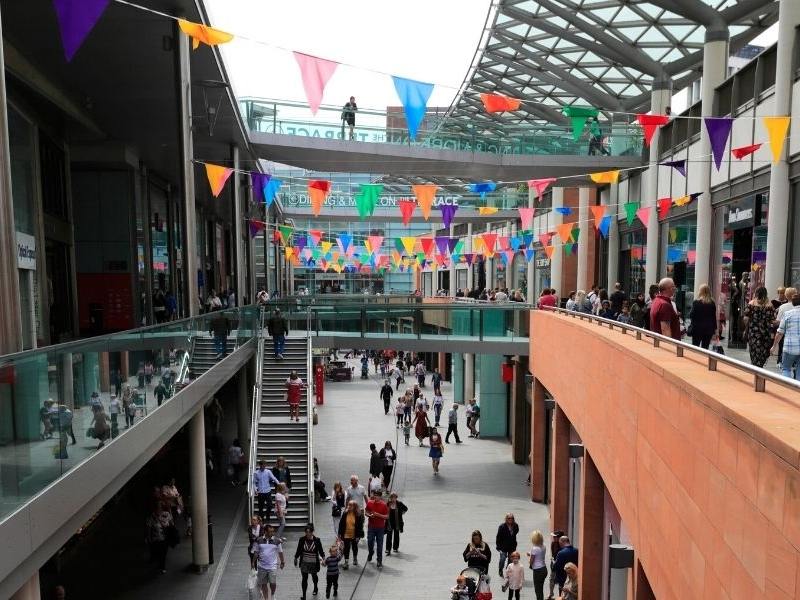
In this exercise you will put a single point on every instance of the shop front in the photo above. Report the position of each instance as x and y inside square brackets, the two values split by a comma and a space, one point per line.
[679, 254]
[633, 243]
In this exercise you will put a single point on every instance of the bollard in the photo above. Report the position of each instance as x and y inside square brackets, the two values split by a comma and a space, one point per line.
[210, 541]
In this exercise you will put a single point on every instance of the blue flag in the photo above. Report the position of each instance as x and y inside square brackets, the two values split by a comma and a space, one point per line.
[270, 190]
[605, 223]
[564, 210]
[482, 188]
[414, 98]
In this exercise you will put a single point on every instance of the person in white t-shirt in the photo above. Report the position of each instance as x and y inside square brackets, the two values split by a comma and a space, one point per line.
[269, 552]
[356, 493]
[114, 410]
[281, 499]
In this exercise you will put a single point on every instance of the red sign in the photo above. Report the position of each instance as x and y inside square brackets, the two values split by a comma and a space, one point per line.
[508, 372]
[319, 381]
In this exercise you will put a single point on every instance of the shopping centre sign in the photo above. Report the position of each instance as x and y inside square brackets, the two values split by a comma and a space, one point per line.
[299, 200]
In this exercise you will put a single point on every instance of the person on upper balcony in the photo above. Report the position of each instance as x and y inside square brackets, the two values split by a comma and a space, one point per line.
[349, 116]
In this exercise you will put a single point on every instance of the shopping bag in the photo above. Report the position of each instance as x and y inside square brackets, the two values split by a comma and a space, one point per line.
[252, 580]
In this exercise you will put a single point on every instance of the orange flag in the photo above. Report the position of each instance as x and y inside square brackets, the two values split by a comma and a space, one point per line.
[217, 176]
[203, 33]
[487, 210]
[496, 103]
[605, 177]
[565, 231]
[425, 194]
[599, 212]
[776, 129]
[549, 251]
[318, 190]
[489, 240]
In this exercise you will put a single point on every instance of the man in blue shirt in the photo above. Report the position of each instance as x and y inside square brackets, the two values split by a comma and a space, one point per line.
[263, 482]
[567, 554]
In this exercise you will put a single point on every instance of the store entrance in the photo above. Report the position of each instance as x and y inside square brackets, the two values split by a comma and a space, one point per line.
[741, 261]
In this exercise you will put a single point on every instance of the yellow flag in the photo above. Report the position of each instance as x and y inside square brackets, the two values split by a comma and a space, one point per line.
[326, 247]
[605, 177]
[776, 128]
[289, 251]
[203, 33]
[487, 210]
[408, 244]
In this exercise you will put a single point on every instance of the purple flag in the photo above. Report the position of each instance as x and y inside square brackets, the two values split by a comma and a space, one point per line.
[469, 257]
[452, 242]
[441, 244]
[719, 128]
[300, 243]
[678, 165]
[448, 212]
[76, 18]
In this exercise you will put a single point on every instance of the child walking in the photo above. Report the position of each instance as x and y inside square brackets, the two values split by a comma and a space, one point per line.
[332, 576]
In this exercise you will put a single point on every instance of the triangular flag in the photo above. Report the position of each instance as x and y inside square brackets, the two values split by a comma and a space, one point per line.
[427, 245]
[406, 209]
[255, 227]
[568, 248]
[776, 129]
[300, 243]
[344, 240]
[540, 185]
[516, 242]
[565, 231]
[469, 257]
[598, 212]
[605, 224]
[76, 18]
[544, 238]
[259, 182]
[482, 188]
[496, 103]
[271, 189]
[564, 210]
[371, 192]
[502, 242]
[285, 232]
[203, 33]
[644, 214]
[527, 239]
[455, 245]
[487, 210]
[682, 200]
[743, 151]
[408, 244]
[526, 217]
[605, 177]
[678, 165]
[578, 115]
[664, 204]
[217, 176]
[630, 211]
[289, 251]
[529, 254]
[442, 244]
[489, 240]
[576, 232]
[508, 256]
[548, 250]
[316, 236]
[315, 72]
[650, 123]
[425, 194]
[718, 128]
[448, 212]
[375, 242]
[317, 192]
[414, 98]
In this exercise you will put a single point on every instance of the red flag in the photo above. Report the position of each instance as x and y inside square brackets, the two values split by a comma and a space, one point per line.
[650, 123]
[743, 151]
[664, 204]
[316, 235]
[406, 209]
[544, 238]
[497, 103]
[489, 240]
[427, 245]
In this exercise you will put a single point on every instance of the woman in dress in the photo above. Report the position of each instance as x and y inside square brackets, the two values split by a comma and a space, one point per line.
[436, 451]
[293, 387]
[338, 505]
[758, 317]
[421, 424]
[537, 556]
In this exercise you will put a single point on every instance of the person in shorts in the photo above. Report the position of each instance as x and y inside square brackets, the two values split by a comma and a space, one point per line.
[349, 116]
[269, 553]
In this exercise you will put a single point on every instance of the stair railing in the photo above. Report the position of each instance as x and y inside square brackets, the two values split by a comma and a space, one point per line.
[256, 412]
[309, 417]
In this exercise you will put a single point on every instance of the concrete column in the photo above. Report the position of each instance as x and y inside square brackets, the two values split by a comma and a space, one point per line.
[715, 70]
[538, 437]
[467, 250]
[147, 234]
[452, 268]
[197, 474]
[469, 377]
[30, 590]
[590, 572]
[529, 292]
[583, 240]
[494, 397]
[124, 366]
[66, 393]
[267, 236]
[11, 322]
[243, 408]
[556, 263]
[105, 384]
[613, 237]
[660, 98]
[519, 445]
[559, 472]
[186, 144]
[778, 214]
[240, 256]
[458, 378]
[488, 265]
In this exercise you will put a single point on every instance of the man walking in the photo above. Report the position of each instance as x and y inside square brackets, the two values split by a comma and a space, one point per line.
[567, 554]
[219, 330]
[452, 424]
[278, 328]
[263, 480]
[789, 332]
[268, 552]
[663, 318]
[436, 380]
[377, 514]
[386, 395]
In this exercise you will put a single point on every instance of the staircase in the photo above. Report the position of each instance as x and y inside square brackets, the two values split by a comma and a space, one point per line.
[204, 354]
[277, 436]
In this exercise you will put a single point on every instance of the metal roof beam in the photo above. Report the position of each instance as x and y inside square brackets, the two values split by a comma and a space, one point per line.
[748, 8]
[699, 12]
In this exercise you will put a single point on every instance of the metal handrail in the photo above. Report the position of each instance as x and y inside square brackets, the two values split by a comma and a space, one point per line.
[760, 375]
[256, 409]
[309, 419]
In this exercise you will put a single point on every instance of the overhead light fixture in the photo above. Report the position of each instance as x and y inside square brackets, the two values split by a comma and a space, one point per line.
[211, 88]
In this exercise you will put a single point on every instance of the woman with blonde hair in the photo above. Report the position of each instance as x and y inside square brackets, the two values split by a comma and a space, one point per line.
[569, 591]
[703, 317]
[582, 303]
[537, 558]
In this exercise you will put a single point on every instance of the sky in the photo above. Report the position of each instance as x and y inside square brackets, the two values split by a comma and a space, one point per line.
[427, 40]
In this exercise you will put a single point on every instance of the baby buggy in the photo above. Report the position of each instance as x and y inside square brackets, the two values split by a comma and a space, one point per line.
[471, 584]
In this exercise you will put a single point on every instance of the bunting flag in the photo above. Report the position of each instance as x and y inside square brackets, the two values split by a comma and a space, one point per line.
[203, 33]
[565, 231]
[683, 200]
[408, 244]
[526, 217]
[540, 185]
[664, 204]
[406, 210]
[502, 242]
[448, 212]
[375, 242]
[442, 243]
[678, 165]
[367, 199]
[630, 211]
[527, 239]
[300, 244]
[605, 225]
[469, 257]
[414, 98]
[776, 130]
[516, 242]
[530, 253]
[598, 212]
[496, 103]
[508, 256]
[564, 210]
[217, 176]
[345, 241]
[315, 72]
[718, 128]
[76, 18]
[289, 251]
[455, 245]
[326, 247]
[396, 258]
[743, 151]
[569, 249]
[488, 240]
[579, 115]
[644, 214]
[576, 233]
[650, 123]
[285, 233]
[316, 236]
[255, 227]
[544, 238]
[691, 256]
[259, 182]
[271, 190]
[548, 250]
[318, 190]
[425, 194]
[605, 177]
[427, 245]
[482, 188]
[487, 210]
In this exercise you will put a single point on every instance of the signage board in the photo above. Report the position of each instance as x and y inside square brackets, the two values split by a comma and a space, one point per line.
[26, 251]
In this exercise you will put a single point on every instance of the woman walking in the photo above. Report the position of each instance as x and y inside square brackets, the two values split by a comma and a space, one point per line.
[703, 316]
[421, 424]
[537, 557]
[388, 456]
[282, 472]
[254, 531]
[351, 529]
[436, 451]
[758, 318]
[394, 526]
[399, 411]
[293, 387]
[308, 554]
[338, 505]
[438, 404]
[477, 554]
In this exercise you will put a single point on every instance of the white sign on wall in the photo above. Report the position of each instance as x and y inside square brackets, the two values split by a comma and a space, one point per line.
[26, 251]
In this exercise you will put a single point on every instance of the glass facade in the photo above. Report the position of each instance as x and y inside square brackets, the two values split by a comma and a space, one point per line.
[678, 241]
[632, 260]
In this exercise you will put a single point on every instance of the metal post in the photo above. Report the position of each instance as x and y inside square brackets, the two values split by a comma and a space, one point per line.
[660, 98]
[556, 262]
[238, 223]
[197, 465]
[613, 237]
[583, 243]
[529, 292]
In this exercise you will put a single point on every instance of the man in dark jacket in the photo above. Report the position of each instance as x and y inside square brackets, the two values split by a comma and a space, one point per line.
[386, 395]
[506, 541]
[617, 298]
[220, 329]
[375, 462]
[567, 554]
[278, 328]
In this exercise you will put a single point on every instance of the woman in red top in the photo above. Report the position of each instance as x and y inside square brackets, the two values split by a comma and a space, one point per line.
[293, 387]
[421, 424]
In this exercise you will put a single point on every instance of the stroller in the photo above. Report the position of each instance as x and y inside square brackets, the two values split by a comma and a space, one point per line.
[476, 586]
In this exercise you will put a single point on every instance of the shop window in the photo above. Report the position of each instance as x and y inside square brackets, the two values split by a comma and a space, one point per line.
[725, 97]
[53, 178]
[693, 124]
[746, 86]
[767, 63]
[680, 257]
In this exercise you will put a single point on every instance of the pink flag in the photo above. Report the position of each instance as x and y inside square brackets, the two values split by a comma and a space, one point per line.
[315, 72]
[526, 216]
[540, 185]
[644, 215]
